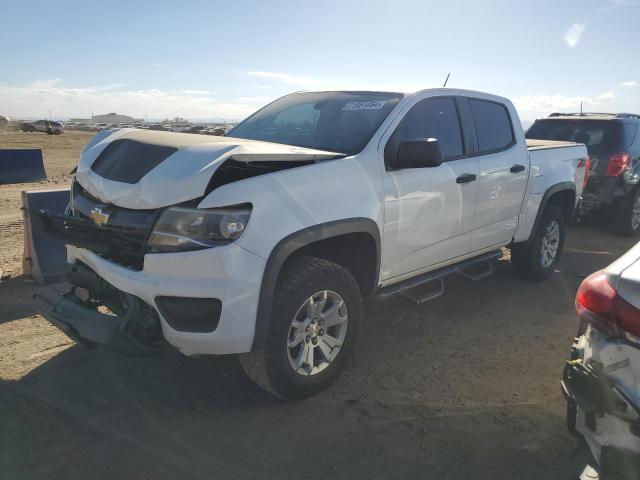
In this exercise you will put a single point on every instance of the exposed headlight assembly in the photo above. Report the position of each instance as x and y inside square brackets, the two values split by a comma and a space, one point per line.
[180, 229]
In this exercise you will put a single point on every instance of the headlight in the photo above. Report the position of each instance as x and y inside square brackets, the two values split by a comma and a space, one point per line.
[180, 229]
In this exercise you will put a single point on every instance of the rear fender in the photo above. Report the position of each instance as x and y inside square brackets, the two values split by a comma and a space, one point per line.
[534, 209]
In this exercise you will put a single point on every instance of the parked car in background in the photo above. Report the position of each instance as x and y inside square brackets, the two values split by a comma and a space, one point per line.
[196, 129]
[602, 379]
[180, 127]
[45, 126]
[613, 142]
[268, 241]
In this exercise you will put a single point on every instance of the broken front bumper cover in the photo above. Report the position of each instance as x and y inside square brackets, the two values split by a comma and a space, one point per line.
[127, 332]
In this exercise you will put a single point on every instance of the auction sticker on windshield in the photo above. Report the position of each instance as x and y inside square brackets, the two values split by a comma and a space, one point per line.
[367, 105]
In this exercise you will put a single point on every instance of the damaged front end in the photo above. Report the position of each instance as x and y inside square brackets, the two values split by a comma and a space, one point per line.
[93, 312]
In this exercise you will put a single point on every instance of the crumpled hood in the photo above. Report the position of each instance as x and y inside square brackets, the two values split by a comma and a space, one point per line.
[144, 169]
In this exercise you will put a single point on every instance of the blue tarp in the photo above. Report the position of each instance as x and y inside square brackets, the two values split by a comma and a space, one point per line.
[21, 165]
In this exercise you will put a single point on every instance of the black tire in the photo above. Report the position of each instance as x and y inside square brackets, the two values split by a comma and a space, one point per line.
[527, 258]
[56, 132]
[625, 225]
[302, 278]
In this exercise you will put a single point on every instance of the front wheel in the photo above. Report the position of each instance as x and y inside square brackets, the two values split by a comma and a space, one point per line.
[314, 324]
[537, 259]
[629, 221]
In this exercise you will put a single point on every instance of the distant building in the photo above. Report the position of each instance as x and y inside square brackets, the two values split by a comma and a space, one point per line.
[114, 118]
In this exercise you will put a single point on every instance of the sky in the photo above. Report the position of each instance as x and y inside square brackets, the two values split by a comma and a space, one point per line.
[207, 60]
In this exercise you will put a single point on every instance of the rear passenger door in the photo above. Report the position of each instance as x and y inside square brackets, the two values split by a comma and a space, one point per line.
[429, 212]
[504, 170]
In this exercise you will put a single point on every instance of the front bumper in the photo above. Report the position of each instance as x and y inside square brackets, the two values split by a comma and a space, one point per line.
[228, 273]
[90, 327]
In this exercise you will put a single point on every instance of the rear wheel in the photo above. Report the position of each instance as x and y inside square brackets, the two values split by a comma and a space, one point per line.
[537, 259]
[629, 221]
[316, 314]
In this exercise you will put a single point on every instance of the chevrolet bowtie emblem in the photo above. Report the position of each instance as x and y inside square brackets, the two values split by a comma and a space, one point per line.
[99, 217]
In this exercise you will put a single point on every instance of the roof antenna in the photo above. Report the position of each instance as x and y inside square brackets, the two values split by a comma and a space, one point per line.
[446, 80]
[581, 114]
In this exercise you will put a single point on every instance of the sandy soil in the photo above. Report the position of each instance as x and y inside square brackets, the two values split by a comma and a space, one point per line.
[466, 386]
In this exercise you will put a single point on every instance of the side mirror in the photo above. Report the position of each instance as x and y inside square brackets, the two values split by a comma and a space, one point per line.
[418, 153]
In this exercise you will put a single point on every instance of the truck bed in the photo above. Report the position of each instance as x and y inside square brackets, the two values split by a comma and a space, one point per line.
[548, 157]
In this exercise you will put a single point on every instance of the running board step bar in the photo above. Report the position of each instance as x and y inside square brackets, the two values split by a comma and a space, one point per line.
[430, 285]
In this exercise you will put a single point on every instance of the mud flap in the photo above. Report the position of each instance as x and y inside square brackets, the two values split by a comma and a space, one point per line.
[89, 327]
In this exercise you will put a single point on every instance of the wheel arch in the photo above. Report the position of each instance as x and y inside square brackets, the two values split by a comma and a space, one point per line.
[562, 195]
[353, 243]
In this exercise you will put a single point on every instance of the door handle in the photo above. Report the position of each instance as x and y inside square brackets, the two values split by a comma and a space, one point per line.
[517, 168]
[466, 178]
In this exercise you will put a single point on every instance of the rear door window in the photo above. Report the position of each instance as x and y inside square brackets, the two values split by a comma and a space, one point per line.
[433, 118]
[493, 125]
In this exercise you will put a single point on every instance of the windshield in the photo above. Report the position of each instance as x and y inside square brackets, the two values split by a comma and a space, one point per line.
[592, 133]
[340, 122]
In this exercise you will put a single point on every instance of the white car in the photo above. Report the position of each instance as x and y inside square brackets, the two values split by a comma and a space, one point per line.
[45, 126]
[265, 241]
[602, 380]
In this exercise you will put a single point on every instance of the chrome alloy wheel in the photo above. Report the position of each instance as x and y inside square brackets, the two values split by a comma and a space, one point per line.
[317, 333]
[635, 214]
[550, 244]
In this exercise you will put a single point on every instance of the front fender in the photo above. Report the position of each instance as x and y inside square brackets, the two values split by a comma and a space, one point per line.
[294, 242]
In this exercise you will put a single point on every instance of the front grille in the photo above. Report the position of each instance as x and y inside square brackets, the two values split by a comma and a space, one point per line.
[121, 240]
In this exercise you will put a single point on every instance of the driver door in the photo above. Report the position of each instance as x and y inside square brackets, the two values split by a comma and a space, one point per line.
[429, 212]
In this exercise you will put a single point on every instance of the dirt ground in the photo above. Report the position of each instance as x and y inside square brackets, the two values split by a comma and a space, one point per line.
[466, 386]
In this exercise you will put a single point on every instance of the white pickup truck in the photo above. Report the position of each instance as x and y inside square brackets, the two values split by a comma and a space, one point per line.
[264, 242]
